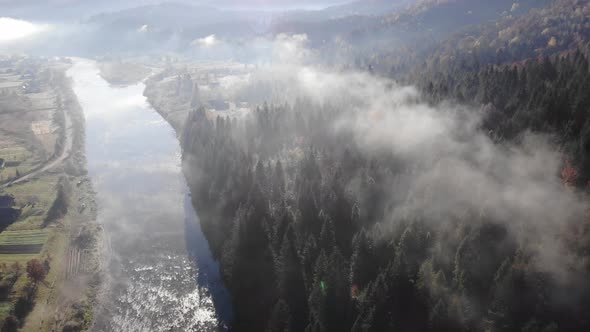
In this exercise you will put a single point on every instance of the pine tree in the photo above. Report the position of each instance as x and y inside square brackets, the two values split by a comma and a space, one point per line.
[280, 320]
[290, 280]
[363, 265]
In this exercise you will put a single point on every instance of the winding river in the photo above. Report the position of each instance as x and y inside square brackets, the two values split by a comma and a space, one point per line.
[161, 275]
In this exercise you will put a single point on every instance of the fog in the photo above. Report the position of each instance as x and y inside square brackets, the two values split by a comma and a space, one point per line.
[178, 68]
[85, 28]
[453, 167]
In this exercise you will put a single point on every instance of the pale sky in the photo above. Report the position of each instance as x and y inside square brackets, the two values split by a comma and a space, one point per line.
[117, 3]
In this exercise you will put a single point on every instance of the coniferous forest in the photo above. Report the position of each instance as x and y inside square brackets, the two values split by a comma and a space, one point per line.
[329, 215]
[311, 237]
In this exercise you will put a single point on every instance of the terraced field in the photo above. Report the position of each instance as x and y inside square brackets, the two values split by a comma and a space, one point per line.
[22, 242]
[35, 198]
[18, 158]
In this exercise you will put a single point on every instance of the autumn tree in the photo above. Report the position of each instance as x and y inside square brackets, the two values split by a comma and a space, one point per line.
[36, 271]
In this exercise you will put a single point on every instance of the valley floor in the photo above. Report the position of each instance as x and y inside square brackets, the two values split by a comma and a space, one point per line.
[45, 183]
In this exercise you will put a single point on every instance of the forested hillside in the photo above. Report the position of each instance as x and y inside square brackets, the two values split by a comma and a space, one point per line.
[315, 233]
[558, 28]
[451, 14]
[457, 206]
[549, 95]
[397, 41]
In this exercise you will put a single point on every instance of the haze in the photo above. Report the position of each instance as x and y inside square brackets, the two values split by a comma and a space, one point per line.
[277, 165]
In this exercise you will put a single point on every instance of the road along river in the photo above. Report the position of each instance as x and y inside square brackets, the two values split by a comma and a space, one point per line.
[160, 273]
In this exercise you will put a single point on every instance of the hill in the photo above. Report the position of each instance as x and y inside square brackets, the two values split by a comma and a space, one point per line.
[559, 28]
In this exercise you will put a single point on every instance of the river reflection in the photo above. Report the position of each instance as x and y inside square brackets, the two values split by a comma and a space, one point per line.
[144, 206]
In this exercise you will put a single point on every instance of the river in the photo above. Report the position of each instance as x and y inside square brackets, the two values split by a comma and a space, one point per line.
[161, 275]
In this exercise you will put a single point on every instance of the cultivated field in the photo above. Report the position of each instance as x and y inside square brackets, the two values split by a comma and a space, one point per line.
[22, 242]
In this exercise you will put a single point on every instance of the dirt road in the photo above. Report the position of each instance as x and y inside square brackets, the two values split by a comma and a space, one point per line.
[67, 150]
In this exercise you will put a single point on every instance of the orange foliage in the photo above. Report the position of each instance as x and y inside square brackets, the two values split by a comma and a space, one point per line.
[569, 174]
[36, 270]
[354, 291]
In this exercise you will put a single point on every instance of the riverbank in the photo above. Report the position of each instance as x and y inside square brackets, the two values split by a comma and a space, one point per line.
[174, 94]
[70, 299]
[56, 222]
[70, 306]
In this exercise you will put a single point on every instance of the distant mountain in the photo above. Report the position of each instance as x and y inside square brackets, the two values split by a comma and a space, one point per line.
[369, 7]
[64, 10]
[171, 27]
[409, 35]
[272, 4]
[560, 27]
[73, 10]
[165, 15]
[354, 8]
[443, 16]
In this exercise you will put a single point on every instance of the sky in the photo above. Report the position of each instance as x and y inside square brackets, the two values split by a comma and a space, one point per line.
[74, 10]
[228, 3]
[287, 4]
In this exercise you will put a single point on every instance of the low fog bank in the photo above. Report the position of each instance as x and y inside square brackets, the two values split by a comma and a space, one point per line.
[103, 37]
[452, 169]
[193, 30]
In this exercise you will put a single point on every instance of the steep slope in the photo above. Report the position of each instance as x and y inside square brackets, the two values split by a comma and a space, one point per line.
[560, 27]
[409, 35]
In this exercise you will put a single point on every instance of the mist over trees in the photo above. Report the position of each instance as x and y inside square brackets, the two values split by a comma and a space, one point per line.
[454, 201]
[358, 204]
[385, 212]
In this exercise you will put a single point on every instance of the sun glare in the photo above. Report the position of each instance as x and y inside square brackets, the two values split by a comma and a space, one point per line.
[12, 29]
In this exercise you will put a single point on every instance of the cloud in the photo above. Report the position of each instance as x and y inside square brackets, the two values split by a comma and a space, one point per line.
[450, 168]
[290, 49]
[13, 30]
[208, 41]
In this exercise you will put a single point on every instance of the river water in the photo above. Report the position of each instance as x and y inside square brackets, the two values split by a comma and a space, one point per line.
[160, 272]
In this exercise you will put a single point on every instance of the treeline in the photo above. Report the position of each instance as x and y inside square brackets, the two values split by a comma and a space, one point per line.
[299, 217]
[548, 95]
